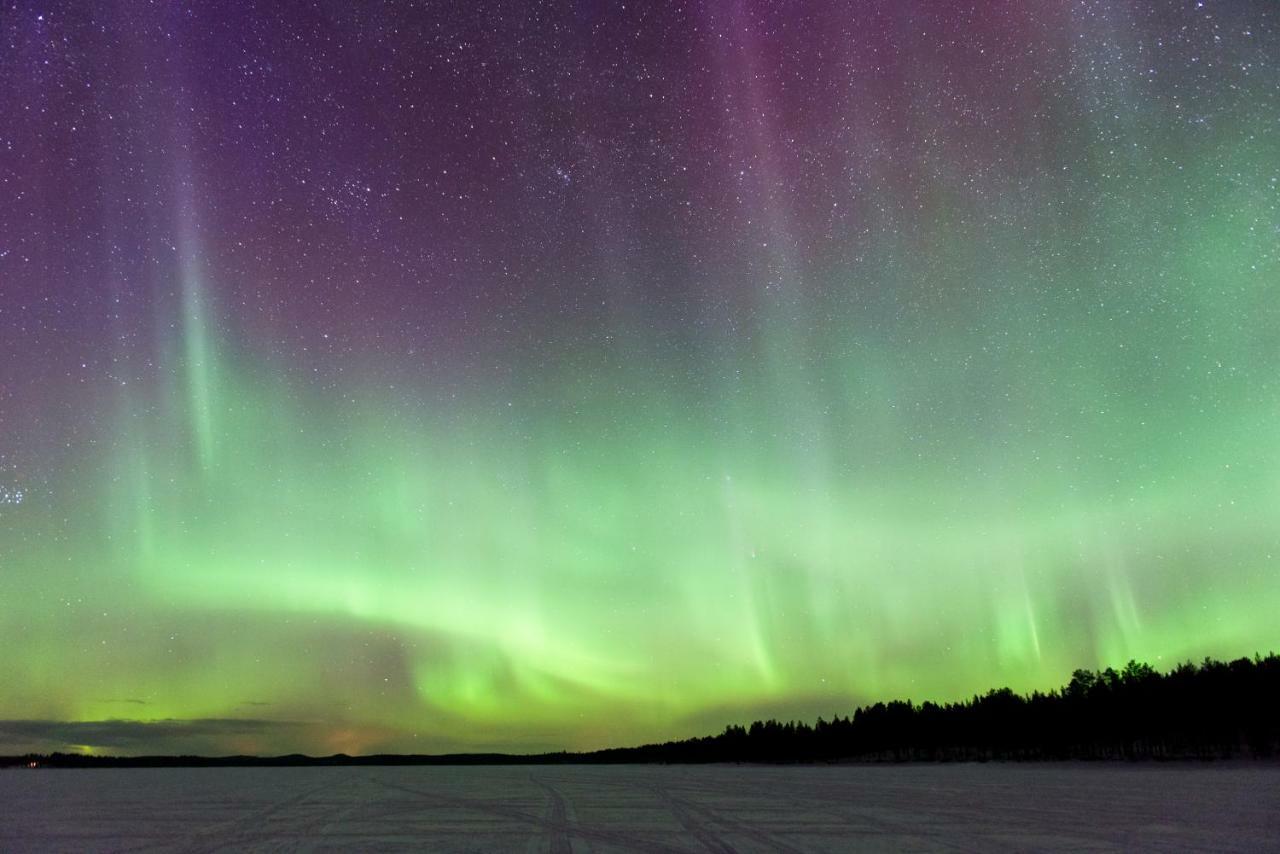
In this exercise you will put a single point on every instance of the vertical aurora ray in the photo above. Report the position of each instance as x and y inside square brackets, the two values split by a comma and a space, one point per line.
[813, 359]
[198, 363]
[198, 356]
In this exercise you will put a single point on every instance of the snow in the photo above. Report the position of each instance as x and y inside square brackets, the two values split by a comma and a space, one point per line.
[561, 809]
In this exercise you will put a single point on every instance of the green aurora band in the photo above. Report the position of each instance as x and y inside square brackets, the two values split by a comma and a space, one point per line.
[594, 563]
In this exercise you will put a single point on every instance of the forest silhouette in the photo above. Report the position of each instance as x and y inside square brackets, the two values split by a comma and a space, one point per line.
[1214, 710]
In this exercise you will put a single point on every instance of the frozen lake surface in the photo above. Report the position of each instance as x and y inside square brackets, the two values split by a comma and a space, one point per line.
[1106, 807]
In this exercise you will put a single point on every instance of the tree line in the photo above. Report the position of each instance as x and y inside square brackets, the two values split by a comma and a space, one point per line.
[1212, 710]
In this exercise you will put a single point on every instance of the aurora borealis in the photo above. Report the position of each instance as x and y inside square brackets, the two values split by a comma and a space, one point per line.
[526, 376]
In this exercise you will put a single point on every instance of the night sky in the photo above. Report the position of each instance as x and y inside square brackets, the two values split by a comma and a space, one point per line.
[523, 376]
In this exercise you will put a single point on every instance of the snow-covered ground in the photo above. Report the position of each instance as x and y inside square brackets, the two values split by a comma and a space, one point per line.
[646, 808]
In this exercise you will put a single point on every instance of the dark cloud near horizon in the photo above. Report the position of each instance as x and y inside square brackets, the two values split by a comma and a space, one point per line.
[134, 735]
[224, 737]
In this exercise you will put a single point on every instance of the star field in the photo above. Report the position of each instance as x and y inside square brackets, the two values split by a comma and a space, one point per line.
[416, 377]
